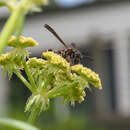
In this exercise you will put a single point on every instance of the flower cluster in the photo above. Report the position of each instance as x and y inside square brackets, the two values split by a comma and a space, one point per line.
[38, 69]
[14, 59]
[88, 74]
[22, 42]
[54, 77]
[55, 59]
[5, 59]
[49, 77]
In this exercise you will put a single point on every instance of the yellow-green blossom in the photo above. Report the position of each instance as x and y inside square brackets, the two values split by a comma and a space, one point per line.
[56, 59]
[37, 68]
[5, 58]
[87, 73]
[75, 93]
[78, 93]
[9, 64]
[22, 42]
[35, 62]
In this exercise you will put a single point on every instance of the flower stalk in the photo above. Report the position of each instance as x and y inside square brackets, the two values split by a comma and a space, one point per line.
[27, 84]
[10, 27]
[29, 75]
[32, 116]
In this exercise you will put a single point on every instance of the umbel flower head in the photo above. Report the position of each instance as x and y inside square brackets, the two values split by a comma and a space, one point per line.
[88, 74]
[50, 77]
[55, 77]
[56, 60]
[6, 62]
[14, 59]
[22, 42]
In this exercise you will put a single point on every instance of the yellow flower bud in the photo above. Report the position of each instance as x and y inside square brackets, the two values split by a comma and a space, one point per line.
[88, 74]
[22, 42]
[34, 62]
[5, 58]
[56, 59]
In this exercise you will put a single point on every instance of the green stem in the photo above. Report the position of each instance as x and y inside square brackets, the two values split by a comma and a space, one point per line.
[10, 27]
[20, 27]
[32, 116]
[24, 81]
[10, 124]
[40, 83]
[60, 90]
[46, 83]
[30, 78]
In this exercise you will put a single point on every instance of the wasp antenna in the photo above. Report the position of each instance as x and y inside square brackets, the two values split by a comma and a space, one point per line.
[49, 28]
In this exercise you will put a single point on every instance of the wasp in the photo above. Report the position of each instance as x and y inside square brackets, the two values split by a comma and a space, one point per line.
[71, 54]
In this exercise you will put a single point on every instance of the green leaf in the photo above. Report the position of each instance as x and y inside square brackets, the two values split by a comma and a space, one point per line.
[10, 124]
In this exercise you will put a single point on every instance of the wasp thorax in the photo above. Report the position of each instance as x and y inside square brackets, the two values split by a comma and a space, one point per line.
[71, 54]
